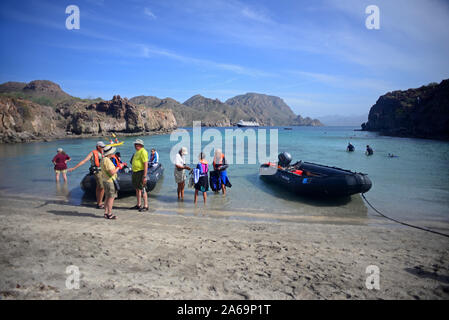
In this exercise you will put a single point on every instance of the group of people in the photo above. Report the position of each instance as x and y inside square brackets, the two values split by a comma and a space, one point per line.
[200, 174]
[105, 163]
[369, 151]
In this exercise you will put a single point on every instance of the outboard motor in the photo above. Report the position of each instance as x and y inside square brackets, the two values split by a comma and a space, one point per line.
[284, 159]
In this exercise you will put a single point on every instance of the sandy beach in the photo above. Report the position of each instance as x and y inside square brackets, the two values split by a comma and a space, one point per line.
[171, 256]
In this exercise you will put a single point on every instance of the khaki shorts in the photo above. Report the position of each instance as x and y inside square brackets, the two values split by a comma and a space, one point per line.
[99, 180]
[109, 190]
[61, 171]
[137, 180]
[180, 175]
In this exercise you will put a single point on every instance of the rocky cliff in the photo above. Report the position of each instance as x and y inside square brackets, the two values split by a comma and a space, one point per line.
[117, 115]
[421, 113]
[23, 120]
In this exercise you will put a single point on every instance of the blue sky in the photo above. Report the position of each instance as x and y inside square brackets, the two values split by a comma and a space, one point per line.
[316, 55]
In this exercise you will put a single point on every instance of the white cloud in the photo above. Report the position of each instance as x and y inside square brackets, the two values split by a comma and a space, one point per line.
[149, 13]
[254, 15]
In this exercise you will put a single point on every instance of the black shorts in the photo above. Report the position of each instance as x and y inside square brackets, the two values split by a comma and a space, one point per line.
[202, 184]
[137, 180]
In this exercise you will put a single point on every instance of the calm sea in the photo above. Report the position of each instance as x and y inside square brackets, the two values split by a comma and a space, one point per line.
[413, 186]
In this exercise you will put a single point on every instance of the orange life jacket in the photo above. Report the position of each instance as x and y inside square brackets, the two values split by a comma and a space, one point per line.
[96, 158]
[220, 162]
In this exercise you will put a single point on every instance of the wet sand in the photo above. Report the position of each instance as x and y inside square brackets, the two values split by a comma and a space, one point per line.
[172, 256]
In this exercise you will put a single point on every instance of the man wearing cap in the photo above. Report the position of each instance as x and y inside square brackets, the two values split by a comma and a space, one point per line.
[139, 177]
[95, 157]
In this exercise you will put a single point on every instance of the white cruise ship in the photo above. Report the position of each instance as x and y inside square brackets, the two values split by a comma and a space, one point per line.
[243, 123]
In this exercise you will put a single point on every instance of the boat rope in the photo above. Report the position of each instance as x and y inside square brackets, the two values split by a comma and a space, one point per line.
[403, 223]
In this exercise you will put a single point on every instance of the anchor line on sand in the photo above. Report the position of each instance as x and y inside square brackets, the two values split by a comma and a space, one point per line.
[403, 223]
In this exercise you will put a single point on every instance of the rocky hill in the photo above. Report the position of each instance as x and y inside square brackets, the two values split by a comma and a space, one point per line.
[267, 110]
[421, 112]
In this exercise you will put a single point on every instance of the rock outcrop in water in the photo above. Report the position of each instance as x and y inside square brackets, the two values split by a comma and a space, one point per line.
[420, 113]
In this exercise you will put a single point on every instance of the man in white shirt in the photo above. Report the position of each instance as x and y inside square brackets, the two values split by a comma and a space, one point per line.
[180, 176]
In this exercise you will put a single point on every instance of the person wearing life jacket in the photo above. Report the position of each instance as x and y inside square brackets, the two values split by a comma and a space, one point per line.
[200, 174]
[220, 165]
[95, 157]
[117, 161]
[154, 158]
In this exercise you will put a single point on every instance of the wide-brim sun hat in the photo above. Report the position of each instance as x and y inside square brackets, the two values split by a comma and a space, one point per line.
[101, 144]
[184, 151]
[109, 151]
[139, 141]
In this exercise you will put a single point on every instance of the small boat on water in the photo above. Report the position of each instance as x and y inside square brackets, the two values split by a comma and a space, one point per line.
[311, 179]
[243, 123]
[116, 144]
[88, 184]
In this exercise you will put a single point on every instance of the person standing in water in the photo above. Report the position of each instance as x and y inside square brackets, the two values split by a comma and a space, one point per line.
[60, 161]
[180, 176]
[201, 177]
[369, 151]
[109, 174]
[220, 166]
[350, 147]
[139, 177]
[95, 157]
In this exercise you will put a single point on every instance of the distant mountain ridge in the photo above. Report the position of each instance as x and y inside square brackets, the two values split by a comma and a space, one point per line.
[266, 110]
[41, 110]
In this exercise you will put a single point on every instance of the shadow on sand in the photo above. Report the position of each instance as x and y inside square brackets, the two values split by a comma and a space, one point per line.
[74, 214]
[278, 191]
[419, 272]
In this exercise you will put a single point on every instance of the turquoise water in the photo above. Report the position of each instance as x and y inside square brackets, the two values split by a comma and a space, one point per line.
[414, 186]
